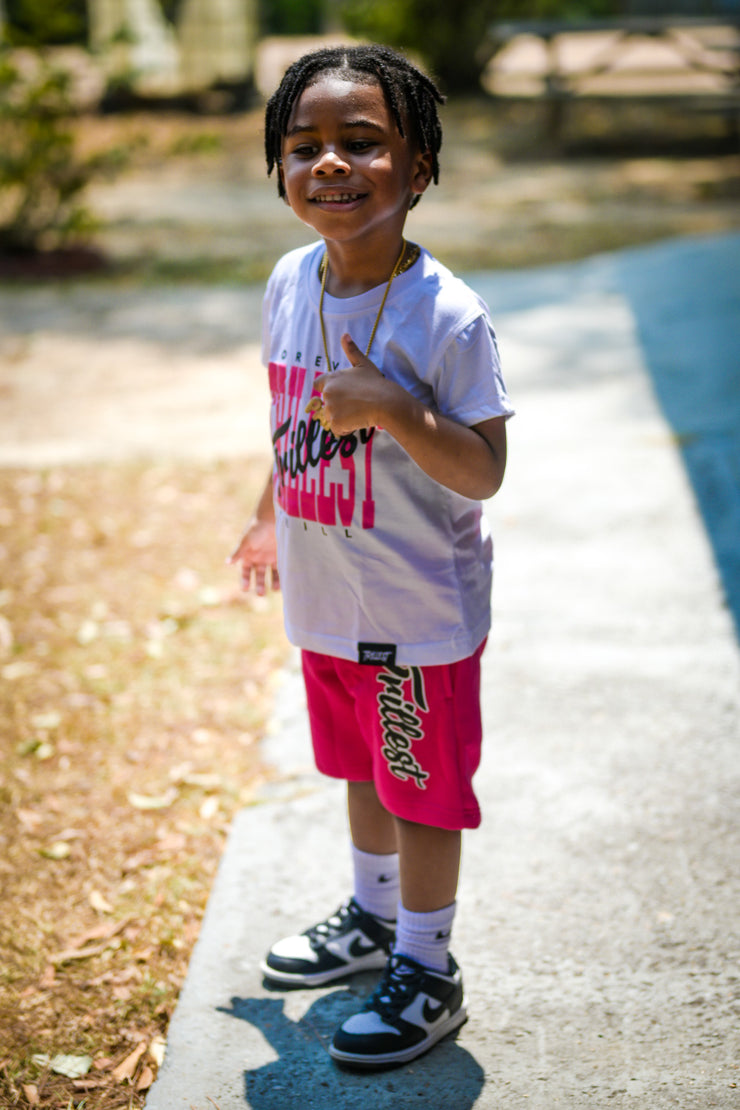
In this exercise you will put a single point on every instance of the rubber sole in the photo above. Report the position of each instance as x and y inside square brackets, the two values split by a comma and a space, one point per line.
[375, 962]
[364, 1062]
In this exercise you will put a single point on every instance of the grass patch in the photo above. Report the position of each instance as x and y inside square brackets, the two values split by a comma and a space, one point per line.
[135, 686]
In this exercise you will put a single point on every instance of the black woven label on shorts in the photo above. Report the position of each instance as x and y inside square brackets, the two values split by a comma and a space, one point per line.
[377, 655]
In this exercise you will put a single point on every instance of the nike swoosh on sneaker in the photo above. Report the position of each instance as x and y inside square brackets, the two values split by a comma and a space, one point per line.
[360, 947]
[432, 1013]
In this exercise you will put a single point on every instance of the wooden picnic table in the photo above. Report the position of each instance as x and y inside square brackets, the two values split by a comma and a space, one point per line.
[701, 70]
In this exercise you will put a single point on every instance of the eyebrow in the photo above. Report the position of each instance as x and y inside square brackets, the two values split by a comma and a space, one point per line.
[364, 124]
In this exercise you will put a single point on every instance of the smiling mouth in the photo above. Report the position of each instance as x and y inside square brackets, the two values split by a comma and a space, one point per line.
[336, 198]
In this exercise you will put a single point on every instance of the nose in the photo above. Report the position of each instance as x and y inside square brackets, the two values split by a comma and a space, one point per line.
[330, 162]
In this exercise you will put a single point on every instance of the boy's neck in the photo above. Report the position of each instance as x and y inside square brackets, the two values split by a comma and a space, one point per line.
[354, 268]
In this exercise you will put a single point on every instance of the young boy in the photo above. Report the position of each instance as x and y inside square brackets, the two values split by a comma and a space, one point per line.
[388, 425]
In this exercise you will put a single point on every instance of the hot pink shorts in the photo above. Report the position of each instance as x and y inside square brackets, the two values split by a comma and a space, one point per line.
[414, 731]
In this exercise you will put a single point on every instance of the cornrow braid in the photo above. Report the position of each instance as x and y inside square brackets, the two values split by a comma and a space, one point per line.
[409, 93]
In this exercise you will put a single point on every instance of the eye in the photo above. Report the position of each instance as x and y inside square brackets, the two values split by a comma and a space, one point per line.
[304, 150]
[360, 145]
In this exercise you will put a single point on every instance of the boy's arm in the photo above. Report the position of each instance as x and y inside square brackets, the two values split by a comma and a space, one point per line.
[470, 461]
[257, 549]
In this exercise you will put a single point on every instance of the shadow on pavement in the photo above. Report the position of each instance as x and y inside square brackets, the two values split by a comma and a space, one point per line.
[304, 1074]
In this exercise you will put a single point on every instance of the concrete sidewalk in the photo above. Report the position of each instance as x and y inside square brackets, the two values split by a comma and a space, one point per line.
[598, 909]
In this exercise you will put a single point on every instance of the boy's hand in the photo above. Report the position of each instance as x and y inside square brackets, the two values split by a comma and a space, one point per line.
[352, 398]
[255, 552]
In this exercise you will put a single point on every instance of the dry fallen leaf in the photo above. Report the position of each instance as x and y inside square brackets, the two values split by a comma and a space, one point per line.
[157, 1049]
[73, 1067]
[80, 949]
[141, 859]
[45, 721]
[209, 808]
[78, 954]
[99, 902]
[156, 801]
[89, 1085]
[127, 1068]
[31, 1091]
[59, 850]
[87, 632]
[21, 669]
[205, 780]
[146, 1079]
[104, 931]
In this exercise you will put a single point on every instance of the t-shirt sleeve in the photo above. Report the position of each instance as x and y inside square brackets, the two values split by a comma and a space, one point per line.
[470, 387]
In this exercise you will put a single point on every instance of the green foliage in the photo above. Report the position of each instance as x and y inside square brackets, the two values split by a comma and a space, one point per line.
[291, 17]
[42, 177]
[170, 9]
[445, 35]
[45, 22]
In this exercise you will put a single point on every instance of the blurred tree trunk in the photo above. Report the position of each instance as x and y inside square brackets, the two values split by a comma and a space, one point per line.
[218, 40]
[213, 42]
[137, 43]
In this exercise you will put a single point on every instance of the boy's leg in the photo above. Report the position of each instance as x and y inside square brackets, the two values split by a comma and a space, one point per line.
[425, 888]
[374, 852]
[372, 827]
[359, 936]
[427, 909]
[420, 998]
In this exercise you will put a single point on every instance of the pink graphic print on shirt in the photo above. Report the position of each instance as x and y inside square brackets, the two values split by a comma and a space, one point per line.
[315, 472]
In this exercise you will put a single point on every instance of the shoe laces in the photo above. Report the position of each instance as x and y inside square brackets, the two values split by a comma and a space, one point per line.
[332, 927]
[396, 988]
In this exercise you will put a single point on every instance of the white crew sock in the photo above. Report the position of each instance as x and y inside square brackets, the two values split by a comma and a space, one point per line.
[377, 883]
[425, 937]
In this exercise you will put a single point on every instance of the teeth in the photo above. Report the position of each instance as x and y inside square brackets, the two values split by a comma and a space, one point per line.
[337, 198]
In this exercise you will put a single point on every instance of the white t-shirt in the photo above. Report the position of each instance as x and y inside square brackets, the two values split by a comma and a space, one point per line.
[378, 562]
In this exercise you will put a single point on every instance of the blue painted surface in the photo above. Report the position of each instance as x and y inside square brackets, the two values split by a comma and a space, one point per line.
[685, 299]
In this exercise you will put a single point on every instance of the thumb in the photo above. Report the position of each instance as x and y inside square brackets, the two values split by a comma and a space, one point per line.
[351, 350]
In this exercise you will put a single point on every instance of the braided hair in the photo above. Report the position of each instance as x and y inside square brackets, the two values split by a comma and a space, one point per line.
[411, 96]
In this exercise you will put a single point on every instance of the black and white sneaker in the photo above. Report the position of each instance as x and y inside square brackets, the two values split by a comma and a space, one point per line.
[411, 1009]
[349, 941]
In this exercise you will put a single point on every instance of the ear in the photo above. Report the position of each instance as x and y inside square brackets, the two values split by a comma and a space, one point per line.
[421, 172]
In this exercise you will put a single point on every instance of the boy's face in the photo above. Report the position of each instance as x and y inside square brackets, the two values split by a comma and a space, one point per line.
[347, 171]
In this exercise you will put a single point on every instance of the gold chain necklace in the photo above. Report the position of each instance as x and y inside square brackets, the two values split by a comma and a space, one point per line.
[402, 264]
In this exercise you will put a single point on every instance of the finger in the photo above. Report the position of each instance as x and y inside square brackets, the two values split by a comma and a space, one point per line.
[351, 350]
[275, 578]
[260, 574]
[236, 554]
